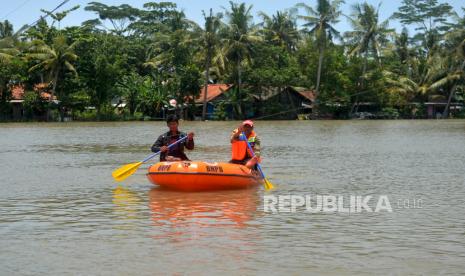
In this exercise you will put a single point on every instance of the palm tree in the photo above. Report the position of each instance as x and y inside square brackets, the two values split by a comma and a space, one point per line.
[280, 29]
[239, 41]
[53, 59]
[171, 53]
[210, 40]
[402, 88]
[452, 78]
[416, 84]
[8, 43]
[455, 40]
[320, 23]
[7, 49]
[173, 44]
[401, 49]
[368, 35]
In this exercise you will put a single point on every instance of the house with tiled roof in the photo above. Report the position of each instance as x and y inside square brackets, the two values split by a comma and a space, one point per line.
[215, 94]
[270, 102]
[18, 92]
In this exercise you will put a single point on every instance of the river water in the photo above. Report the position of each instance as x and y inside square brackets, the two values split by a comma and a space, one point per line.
[61, 212]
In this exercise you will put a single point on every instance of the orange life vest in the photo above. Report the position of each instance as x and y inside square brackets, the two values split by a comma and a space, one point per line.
[240, 149]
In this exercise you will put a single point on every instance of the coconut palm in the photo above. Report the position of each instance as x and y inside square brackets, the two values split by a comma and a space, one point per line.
[7, 49]
[209, 40]
[239, 40]
[401, 49]
[319, 23]
[53, 59]
[8, 52]
[455, 40]
[8, 43]
[171, 53]
[172, 46]
[415, 84]
[368, 35]
[280, 29]
[367, 38]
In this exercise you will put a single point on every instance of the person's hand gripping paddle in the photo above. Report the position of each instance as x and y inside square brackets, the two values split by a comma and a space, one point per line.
[127, 170]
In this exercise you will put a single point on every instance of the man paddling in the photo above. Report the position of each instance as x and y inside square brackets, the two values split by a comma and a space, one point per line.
[240, 152]
[176, 153]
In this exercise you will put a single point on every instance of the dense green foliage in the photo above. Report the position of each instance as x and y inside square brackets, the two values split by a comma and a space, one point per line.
[145, 57]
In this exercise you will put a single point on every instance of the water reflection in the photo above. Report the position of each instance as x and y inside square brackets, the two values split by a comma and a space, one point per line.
[126, 203]
[181, 213]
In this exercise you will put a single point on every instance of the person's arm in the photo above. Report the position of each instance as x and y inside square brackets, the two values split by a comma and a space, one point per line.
[235, 135]
[190, 141]
[256, 147]
[156, 147]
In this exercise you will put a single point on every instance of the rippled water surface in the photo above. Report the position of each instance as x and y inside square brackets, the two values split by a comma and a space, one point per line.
[61, 213]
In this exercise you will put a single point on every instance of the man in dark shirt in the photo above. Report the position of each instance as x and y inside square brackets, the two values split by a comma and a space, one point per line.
[175, 153]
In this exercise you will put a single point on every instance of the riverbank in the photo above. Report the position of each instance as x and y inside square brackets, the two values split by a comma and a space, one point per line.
[282, 113]
[67, 120]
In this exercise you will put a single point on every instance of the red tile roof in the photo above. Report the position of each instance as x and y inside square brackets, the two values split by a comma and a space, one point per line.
[213, 91]
[17, 91]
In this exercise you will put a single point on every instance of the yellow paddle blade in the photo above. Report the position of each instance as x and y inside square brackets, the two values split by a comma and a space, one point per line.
[123, 172]
[268, 185]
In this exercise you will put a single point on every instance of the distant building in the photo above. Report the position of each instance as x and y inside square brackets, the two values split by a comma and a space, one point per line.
[17, 99]
[287, 103]
[270, 102]
[215, 95]
[435, 109]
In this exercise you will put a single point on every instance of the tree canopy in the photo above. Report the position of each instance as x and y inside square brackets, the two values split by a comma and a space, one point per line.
[131, 61]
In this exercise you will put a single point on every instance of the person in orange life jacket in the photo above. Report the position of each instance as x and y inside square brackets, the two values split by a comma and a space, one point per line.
[240, 152]
[175, 153]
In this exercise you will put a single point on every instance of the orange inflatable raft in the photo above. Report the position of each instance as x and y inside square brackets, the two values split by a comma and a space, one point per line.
[202, 176]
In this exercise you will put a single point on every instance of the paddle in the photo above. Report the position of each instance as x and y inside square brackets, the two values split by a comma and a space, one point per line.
[267, 184]
[125, 171]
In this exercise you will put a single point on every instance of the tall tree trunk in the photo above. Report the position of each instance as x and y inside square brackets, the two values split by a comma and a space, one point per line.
[98, 112]
[132, 108]
[207, 76]
[445, 114]
[318, 75]
[62, 114]
[239, 83]
[318, 79]
[364, 69]
[354, 107]
[52, 94]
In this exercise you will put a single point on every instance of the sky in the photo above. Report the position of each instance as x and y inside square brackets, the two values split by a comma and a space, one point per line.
[22, 12]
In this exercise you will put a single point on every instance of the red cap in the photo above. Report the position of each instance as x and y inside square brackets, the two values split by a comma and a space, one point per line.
[247, 122]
